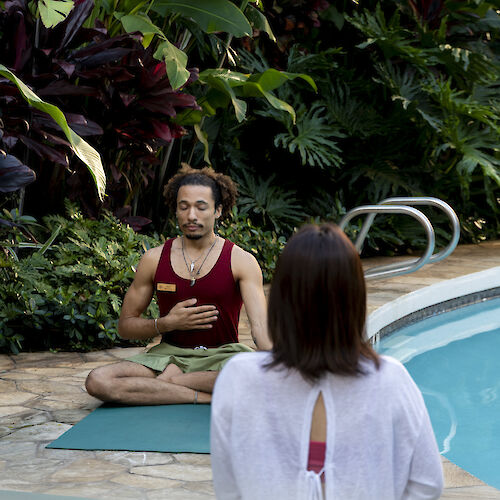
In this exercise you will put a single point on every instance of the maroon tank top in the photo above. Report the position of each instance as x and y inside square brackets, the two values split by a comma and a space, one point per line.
[218, 288]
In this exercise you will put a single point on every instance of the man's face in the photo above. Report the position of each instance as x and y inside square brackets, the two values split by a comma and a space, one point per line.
[196, 212]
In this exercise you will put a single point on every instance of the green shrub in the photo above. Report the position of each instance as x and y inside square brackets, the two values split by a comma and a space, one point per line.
[265, 246]
[68, 294]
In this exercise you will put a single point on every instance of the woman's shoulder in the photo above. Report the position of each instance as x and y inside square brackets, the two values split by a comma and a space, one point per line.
[389, 375]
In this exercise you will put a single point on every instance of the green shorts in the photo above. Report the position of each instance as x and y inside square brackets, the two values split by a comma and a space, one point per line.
[188, 359]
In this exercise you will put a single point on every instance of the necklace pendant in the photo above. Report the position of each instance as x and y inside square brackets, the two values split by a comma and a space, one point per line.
[193, 281]
[192, 266]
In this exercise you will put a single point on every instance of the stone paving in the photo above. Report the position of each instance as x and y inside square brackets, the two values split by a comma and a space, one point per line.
[42, 395]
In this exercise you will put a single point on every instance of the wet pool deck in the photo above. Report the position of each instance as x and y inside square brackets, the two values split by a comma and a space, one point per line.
[42, 395]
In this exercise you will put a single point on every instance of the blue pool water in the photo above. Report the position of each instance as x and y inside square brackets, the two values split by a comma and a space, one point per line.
[455, 360]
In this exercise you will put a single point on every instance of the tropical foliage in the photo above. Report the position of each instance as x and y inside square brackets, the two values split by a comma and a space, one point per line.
[312, 106]
[407, 104]
[117, 73]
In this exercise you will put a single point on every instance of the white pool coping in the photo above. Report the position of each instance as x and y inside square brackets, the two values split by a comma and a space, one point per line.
[430, 295]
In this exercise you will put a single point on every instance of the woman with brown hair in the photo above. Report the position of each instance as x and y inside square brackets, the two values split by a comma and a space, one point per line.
[321, 414]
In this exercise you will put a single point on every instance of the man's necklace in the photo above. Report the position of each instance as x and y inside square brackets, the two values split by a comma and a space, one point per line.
[190, 267]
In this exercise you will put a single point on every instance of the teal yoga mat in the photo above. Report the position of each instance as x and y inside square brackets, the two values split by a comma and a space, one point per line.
[169, 428]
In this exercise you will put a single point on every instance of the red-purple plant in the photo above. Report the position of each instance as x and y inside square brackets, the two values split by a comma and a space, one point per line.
[110, 88]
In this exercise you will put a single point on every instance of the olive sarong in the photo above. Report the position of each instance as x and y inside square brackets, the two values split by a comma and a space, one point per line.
[189, 360]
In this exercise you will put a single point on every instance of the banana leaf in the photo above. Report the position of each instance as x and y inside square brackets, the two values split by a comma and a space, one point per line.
[82, 149]
[211, 15]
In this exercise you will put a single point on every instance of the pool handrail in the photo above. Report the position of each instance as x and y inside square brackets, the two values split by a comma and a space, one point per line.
[421, 200]
[407, 266]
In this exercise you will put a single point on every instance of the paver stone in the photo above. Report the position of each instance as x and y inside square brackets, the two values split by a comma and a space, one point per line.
[43, 432]
[15, 398]
[175, 471]
[147, 482]
[86, 470]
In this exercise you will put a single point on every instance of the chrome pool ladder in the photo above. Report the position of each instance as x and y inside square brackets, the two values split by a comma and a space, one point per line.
[404, 206]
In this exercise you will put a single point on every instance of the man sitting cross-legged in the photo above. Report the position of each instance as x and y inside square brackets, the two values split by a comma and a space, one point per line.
[200, 281]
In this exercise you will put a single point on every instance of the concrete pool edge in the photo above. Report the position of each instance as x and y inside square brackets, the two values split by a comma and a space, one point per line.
[429, 296]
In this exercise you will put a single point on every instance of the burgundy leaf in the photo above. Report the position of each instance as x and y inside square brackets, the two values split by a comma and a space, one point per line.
[136, 222]
[13, 174]
[105, 57]
[166, 102]
[177, 130]
[150, 79]
[67, 67]
[71, 25]
[158, 105]
[50, 137]
[45, 152]
[194, 74]
[82, 125]
[117, 175]
[122, 212]
[127, 98]
[63, 88]
[161, 130]
[23, 51]
[117, 74]
[96, 48]
[10, 140]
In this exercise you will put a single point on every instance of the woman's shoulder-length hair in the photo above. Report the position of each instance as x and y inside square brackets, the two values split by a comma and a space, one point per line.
[317, 305]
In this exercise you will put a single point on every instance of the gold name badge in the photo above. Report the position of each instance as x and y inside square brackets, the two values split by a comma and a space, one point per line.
[165, 287]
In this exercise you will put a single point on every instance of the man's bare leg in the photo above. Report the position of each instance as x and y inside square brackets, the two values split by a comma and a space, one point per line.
[131, 383]
[198, 381]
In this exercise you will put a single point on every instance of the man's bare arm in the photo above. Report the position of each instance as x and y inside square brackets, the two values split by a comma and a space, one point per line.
[247, 270]
[137, 299]
[183, 316]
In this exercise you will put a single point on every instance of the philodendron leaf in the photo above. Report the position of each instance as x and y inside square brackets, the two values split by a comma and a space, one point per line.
[175, 62]
[211, 15]
[84, 151]
[53, 12]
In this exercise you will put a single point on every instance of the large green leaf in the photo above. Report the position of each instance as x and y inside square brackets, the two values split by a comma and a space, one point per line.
[53, 12]
[259, 21]
[82, 149]
[140, 22]
[203, 138]
[211, 15]
[175, 61]
[225, 80]
[272, 79]
[236, 84]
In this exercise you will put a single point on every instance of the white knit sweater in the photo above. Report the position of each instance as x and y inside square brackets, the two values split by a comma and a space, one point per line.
[380, 444]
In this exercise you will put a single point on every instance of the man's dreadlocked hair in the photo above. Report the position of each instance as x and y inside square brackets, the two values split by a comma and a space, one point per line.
[223, 188]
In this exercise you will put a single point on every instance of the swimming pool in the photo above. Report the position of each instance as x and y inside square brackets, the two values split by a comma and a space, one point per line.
[455, 360]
